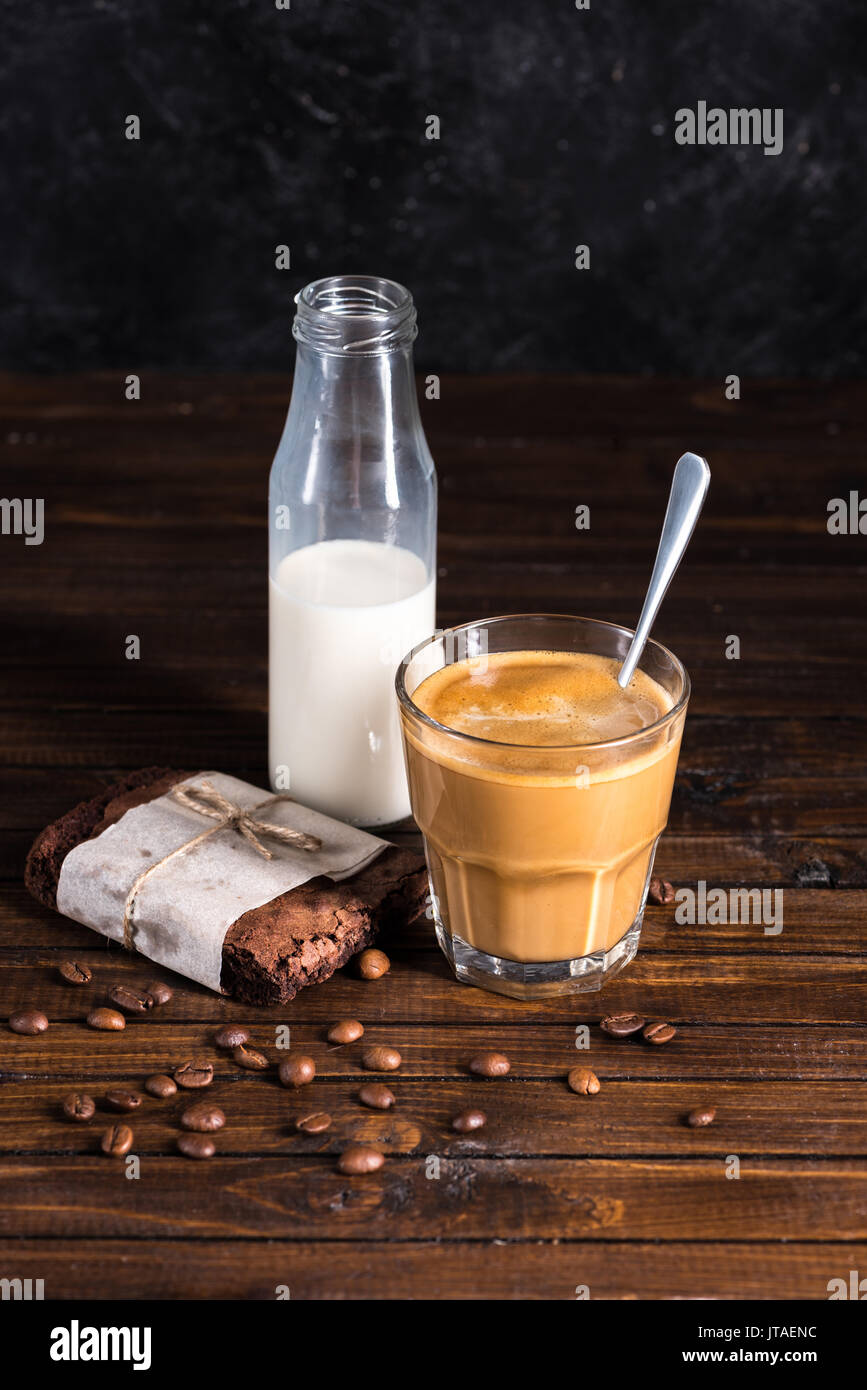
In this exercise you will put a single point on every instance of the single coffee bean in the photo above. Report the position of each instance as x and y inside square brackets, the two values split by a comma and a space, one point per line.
[74, 973]
[622, 1025]
[231, 1035]
[314, 1124]
[376, 1095]
[468, 1120]
[117, 1141]
[107, 1020]
[583, 1081]
[132, 1001]
[372, 965]
[381, 1058]
[296, 1071]
[250, 1057]
[203, 1117]
[159, 991]
[28, 1021]
[360, 1159]
[192, 1075]
[491, 1064]
[704, 1116]
[196, 1146]
[659, 1033]
[78, 1106]
[660, 892]
[121, 1099]
[160, 1086]
[346, 1031]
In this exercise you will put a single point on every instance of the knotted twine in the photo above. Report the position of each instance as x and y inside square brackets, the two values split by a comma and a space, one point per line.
[207, 801]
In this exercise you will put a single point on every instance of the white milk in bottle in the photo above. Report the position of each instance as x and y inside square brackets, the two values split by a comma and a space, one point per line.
[343, 614]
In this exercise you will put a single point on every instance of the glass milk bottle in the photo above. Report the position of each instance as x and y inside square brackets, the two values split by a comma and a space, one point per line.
[352, 551]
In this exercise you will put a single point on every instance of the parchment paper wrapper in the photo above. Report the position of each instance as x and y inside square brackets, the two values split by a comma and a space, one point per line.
[184, 908]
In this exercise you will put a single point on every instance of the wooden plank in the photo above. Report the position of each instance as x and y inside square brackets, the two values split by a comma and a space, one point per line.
[506, 584]
[822, 690]
[711, 988]
[520, 522]
[541, 1117]
[717, 753]
[564, 405]
[769, 776]
[814, 922]
[299, 1199]
[210, 1270]
[537, 1048]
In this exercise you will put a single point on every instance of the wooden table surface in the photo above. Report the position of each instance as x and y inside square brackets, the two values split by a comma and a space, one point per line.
[155, 525]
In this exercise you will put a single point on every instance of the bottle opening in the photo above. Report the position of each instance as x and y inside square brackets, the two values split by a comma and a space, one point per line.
[362, 314]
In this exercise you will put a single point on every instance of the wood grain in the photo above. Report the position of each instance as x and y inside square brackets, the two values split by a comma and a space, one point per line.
[379, 1270]
[473, 1198]
[537, 1047]
[815, 922]
[155, 525]
[541, 1117]
[709, 987]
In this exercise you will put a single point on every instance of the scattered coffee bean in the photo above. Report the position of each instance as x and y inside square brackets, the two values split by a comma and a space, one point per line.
[160, 1086]
[659, 1033]
[116, 1141]
[491, 1064]
[583, 1081]
[121, 1099]
[250, 1057]
[622, 1025]
[159, 991]
[132, 1001]
[372, 965]
[108, 1020]
[468, 1120]
[359, 1159]
[74, 973]
[28, 1021]
[346, 1031]
[78, 1106]
[196, 1146]
[296, 1071]
[660, 892]
[231, 1035]
[704, 1116]
[192, 1075]
[203, 1117]
[376, 1095]
[381, 1058]
[314, 1124]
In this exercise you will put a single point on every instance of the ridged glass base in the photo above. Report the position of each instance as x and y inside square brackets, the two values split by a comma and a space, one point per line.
[541, 981]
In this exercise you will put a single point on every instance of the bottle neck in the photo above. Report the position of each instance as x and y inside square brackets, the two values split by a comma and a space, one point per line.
[354, 378]
[353, 463]
[368, 400]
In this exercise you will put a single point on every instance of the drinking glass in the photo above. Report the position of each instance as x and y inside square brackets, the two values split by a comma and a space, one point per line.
[539, 857]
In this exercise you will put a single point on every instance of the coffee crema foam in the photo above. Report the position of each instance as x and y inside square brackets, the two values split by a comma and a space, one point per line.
[541, 699]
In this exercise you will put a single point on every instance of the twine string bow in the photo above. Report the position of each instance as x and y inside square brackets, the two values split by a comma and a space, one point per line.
[207, 801]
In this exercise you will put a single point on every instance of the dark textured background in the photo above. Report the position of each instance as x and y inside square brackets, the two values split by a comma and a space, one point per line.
[306, 127]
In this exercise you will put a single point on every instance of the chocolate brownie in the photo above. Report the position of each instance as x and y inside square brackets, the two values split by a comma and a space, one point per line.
[88, 818]
[297, 939]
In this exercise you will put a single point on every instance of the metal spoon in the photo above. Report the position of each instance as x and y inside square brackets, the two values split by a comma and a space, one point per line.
[685, 501]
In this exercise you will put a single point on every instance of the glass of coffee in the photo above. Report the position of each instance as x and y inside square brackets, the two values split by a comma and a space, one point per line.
[541, 789]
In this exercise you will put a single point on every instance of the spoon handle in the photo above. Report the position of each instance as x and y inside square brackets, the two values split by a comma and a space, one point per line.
[688, 491]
